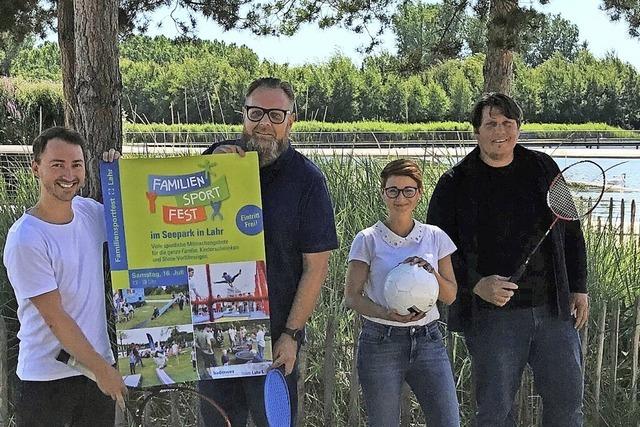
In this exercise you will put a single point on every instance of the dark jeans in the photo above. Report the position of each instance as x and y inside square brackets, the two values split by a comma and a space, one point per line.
[238, 396]
[74, 401]
[503, 342]
[205, 361]
[388, 356]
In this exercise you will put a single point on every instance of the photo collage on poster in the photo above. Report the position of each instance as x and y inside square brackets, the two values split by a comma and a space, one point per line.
[190, 292]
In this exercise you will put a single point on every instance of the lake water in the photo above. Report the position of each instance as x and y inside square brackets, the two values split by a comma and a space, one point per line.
[623, 173]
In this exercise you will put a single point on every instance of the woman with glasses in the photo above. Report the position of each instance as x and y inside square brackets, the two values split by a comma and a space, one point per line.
[394, 348]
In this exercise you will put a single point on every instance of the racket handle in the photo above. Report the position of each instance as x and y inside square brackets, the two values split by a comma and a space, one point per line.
[515, 277]
[72, 362]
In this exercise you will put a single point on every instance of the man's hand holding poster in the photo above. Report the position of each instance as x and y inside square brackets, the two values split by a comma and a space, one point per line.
[186, 247]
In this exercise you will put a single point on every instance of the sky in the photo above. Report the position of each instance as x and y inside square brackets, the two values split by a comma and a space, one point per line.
[312, 45]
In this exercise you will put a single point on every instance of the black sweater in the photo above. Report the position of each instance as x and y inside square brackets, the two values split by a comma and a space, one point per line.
[460, 206]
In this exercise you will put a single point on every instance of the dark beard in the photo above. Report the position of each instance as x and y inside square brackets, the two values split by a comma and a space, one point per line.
[268, 149]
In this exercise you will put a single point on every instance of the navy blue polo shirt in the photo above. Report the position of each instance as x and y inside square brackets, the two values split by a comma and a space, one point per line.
[298, 219]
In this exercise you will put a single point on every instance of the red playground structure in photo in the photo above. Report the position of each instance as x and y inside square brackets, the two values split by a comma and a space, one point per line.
[260, 293]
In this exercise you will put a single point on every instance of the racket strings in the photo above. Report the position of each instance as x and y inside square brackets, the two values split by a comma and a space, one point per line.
[561, 200]
[178, 407]
[576, 190]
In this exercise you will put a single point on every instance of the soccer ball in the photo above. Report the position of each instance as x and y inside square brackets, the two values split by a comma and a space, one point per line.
[410, 288]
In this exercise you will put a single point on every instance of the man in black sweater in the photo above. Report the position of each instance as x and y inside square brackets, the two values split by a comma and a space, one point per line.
[493, 205]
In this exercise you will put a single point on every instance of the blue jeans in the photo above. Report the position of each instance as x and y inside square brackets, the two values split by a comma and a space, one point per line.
[502, 342]
[388, 356]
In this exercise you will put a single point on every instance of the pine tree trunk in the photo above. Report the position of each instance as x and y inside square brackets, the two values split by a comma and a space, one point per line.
[498, 70]
[67, 42]
[498, 66]
[88, 31]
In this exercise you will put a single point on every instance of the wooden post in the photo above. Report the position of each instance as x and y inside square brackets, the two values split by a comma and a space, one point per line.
[634, 345]
[621, 220]
[610, 215]
[602, 320]
[584, 346]
[354, 388]
[589, 202]
[329, 371]
[4, 375]
[302, 373]
[615, 333]
[599, 224]
[632, 218]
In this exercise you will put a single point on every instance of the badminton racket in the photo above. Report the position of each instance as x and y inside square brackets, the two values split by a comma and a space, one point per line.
[161, 406]
[276, 399]
[573, 194]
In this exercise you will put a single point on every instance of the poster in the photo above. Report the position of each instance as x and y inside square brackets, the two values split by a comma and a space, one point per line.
[186, 247]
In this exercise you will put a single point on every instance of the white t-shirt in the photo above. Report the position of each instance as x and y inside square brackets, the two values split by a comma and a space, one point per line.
[382, 250]
[260, 338]
[41, 257]
[161, 360]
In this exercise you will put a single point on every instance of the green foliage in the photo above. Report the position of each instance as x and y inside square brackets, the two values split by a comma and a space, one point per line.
[397, 96]
[428, 33]
[587, 89]
[369, 126]
[190, 81]
[548, 35]
[371, 98]
[31, 97]
[462, 98]
[26, 106]
[20, 20]
[38, 63]
[184, 80]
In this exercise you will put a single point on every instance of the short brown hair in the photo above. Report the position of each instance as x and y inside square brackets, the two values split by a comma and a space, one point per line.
[272, 83]
[65, 134]
[401, 167]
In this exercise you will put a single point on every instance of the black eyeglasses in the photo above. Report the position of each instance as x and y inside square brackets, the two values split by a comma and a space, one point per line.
[407, 192]
[276, 115]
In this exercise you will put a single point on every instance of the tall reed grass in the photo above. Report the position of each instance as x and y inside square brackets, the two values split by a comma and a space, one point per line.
[18, 191]
[331, 394]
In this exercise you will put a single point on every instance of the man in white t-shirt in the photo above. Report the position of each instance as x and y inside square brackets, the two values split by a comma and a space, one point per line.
[175, 349]
[53, 256]
[126, 311]
[260, 342]
[160, 359]
[232, 335]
